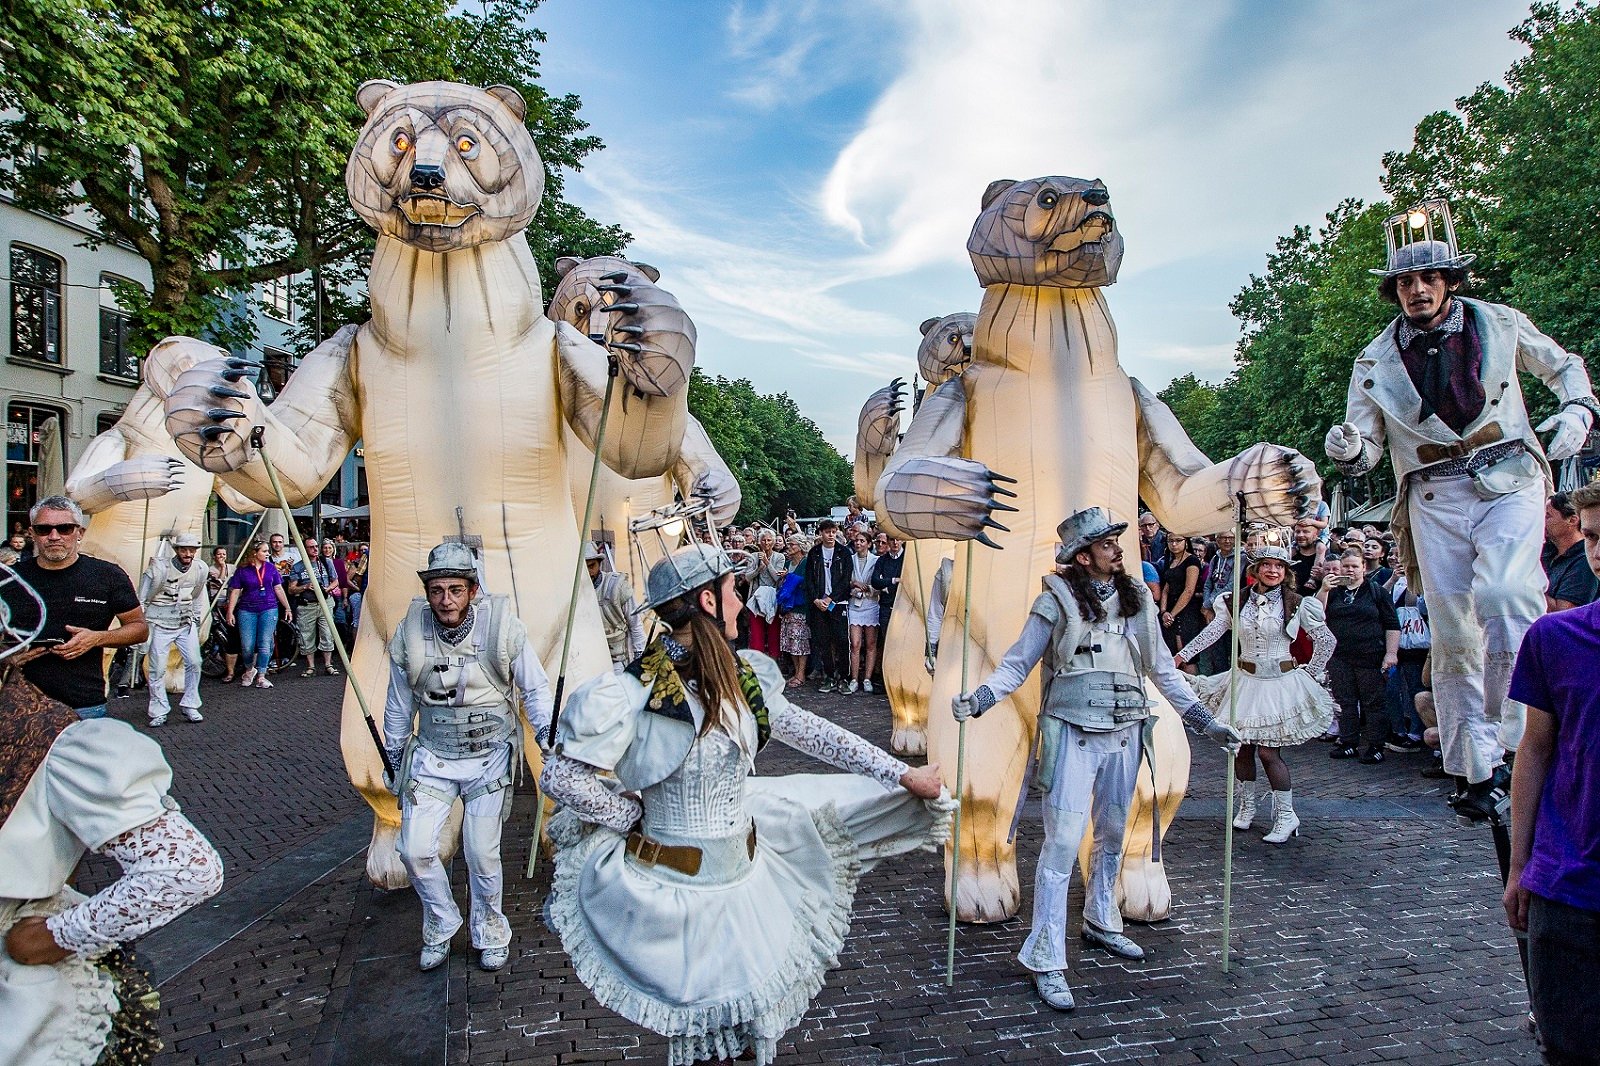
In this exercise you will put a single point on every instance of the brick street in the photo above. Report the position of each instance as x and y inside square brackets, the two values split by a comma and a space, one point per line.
[1377, 936]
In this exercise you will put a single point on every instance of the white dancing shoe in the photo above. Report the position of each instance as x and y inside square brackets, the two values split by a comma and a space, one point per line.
[1115, 943]
[192, 714]
[433, 955]
[1054, 990]
[493, 958]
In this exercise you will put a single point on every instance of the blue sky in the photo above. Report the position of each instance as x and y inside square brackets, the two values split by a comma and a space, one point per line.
[805, 174]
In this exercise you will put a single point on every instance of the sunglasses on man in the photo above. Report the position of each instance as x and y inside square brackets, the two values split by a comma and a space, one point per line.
[65, 529]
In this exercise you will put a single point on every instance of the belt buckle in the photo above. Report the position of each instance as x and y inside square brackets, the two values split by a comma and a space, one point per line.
[646, 850]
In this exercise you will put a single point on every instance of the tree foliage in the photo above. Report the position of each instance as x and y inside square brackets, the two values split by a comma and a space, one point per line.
[779, 456]
[1517, 164]
[211, 137]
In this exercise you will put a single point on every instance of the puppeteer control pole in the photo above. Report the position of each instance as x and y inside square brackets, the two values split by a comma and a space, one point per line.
[258, 438]
[1233, 704]
[961, 782]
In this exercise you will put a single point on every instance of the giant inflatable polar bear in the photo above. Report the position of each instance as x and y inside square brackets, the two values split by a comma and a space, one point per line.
[1045, 401]
[944, 352]
[460, 388]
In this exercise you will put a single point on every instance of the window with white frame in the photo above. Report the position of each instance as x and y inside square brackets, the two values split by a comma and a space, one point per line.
[36, 285]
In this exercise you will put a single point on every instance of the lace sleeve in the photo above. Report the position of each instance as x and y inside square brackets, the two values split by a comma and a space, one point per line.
[1208, 636]
[822, 740]
[574, 784]
[167, 867]
[1313, 621]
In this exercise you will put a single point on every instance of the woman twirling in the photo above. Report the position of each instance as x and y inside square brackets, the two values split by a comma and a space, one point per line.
[703, 903]
[1279, 703]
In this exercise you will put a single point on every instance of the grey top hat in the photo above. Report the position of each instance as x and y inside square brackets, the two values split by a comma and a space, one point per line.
[684, 571]
[450, 560]
[1424, 255]
[592, 552]
[186, 540]
[1083, 528]
[1269, 551]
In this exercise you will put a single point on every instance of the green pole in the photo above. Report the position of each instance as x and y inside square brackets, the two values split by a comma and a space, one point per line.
[961, 781]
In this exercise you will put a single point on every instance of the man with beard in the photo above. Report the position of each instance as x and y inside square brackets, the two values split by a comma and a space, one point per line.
[1439, 388]
[172, 590]
[1095, 629]
[1308, 561]
[460, 662]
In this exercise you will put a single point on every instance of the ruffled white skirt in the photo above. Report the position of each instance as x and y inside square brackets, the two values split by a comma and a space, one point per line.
[729, 960]
[1274, 711]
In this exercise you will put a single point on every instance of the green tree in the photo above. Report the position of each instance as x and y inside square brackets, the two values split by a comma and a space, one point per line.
[211, 137]
[779, 456]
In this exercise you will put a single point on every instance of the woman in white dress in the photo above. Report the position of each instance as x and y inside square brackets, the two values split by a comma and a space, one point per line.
[1279, 703]
[699, 901]
[863, 613]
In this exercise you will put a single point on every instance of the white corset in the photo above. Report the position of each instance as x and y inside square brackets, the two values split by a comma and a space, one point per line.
[703, 798]
[1261, 635]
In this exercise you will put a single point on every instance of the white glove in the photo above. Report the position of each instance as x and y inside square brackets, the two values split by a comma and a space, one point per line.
[1224, 734]
[1343, 443]
[931, 658]
[1571, 428]
[964, 706]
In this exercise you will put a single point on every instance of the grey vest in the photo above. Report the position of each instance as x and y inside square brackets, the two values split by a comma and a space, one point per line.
[175, 600]
[462, 696]
[1082, 692]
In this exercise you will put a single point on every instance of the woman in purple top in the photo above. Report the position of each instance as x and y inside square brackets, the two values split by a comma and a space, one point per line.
[255, 595]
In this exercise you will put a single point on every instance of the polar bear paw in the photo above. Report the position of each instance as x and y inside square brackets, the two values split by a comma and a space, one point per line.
[1143, 894]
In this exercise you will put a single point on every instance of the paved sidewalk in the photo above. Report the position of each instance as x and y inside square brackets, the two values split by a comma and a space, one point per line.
[1376, 936]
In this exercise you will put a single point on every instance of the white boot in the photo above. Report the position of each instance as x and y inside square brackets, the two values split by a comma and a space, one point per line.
[1285, 823]
[1247, 805]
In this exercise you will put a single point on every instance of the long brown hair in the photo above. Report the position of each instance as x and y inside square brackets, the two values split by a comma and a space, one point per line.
[711, 663]
[1089, 606]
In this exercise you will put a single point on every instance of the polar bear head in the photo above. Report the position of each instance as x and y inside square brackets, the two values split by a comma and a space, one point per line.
[443, 166]
[647, 320]
[946, 346]
[1046, 231]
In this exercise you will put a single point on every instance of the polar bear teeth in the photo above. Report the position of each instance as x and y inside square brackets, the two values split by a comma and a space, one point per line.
[436, 211]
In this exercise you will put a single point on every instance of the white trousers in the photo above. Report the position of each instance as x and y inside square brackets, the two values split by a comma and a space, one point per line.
[1095, 777]
[187, 641]
[1484, 586]
[434, 786]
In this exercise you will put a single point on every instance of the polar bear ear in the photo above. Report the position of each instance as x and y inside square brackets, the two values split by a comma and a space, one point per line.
[371, 93]
[927, 325]
[995, 189]
[565, 264]
[647, 270]
[511, 98]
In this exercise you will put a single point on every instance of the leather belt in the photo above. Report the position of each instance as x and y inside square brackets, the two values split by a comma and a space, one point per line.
[684, 858]
[1468, 465]
[1282, 666]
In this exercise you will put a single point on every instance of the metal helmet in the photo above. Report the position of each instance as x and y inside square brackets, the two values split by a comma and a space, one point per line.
[450, 560]
[684, 571]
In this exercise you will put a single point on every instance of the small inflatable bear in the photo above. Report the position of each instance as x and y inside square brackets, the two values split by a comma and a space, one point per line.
[1046, 402]
[460, 388]
[945, 350]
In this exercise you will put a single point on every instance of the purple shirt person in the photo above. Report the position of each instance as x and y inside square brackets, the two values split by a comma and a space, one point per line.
[1553, 886]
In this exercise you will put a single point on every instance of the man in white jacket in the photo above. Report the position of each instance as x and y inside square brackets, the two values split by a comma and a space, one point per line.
[1439, 388]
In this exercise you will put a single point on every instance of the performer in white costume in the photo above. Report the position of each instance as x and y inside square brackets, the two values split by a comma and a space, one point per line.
[699, 901]
[1096, 631]
[624, 631]
[69, 994]
[173, 593]
[460, 661]
[1278, 704]
[1439, 387]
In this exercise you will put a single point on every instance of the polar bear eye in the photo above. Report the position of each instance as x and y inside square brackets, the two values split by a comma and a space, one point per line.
[402, 142]
[467, 145]
[1048, 199]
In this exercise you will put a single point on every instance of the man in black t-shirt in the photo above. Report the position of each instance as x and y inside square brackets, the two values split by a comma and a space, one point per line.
[1307, 562]
[1571, 582]
[82, 596]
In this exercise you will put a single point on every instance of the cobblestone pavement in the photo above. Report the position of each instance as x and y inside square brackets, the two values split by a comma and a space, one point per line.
[1376, 936]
